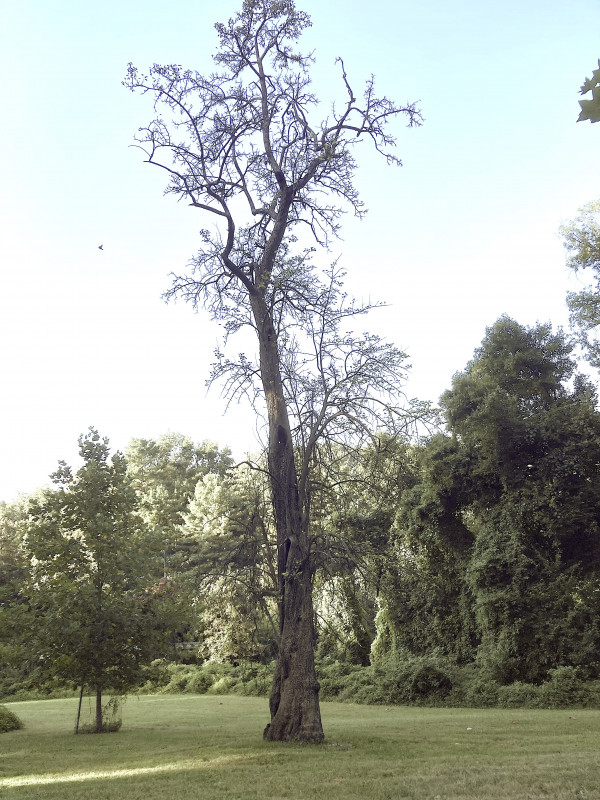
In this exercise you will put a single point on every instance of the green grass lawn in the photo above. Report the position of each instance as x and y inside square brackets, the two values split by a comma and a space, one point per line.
[184, 747]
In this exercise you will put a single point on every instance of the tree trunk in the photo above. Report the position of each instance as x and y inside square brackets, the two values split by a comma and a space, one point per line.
[79, 708]
[294, 700]
[98, 709]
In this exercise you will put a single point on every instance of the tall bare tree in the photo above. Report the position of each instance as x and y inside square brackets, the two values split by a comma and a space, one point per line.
[241, 146]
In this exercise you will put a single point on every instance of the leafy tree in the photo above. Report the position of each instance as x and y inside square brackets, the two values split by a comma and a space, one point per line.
[12, 564]
[499, 538]
[241, 147]
[90, 583]
[15, 617]
[164, 474]
[346, 615]
[426, 604]
[355, 495]
[530, 447]
[590, 109]
[581, 238]
[232, 562]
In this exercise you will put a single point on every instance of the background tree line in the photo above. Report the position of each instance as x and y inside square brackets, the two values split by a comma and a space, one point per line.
[474, 549]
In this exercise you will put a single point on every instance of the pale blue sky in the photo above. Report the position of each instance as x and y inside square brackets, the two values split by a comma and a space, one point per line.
[466, 230]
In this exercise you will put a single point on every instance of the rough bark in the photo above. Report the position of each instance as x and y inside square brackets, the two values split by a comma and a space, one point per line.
[294, 700]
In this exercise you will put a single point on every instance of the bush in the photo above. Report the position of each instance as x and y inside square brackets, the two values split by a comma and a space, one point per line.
[430, 680]
[255, 680]
[36, 685]
[199, 682]
[481, 692]
[519, 695]
[401, 678]
[565, 688]
[361, 687]
[224, 685]
[9, 721]
[419, 680]
[178, 677]
[212, 677]
[333, 677]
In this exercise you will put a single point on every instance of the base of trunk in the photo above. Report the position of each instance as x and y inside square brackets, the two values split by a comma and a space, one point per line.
[290, 732]
[297, 720]
[294, 700]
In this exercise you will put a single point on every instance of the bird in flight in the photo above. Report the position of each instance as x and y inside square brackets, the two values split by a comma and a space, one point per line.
[101, 247]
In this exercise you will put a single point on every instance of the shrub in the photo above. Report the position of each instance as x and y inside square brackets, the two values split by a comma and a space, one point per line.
[481, 692]
[210, 677]
[423, 680]
[199, 682]
[9, 721]
[519, 695]
[255, 680]
[401, 678]
[333, 677]
[156, 674]
[179, 675]
[430, 680]
[565, 688]
[223, 686]
[362, 687]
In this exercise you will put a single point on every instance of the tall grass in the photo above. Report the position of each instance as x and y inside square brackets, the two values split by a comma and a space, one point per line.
[210, 747]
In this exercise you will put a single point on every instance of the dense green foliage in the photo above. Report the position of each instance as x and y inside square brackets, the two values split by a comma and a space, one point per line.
[9, 721]
[96, 618]
[164, 474]
[15, 662]
[499, 539]
[231, 564]
[408, 680]
[461, 570]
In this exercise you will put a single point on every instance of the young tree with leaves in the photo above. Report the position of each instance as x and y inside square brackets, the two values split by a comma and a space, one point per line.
[97, 620]
[241, 146]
